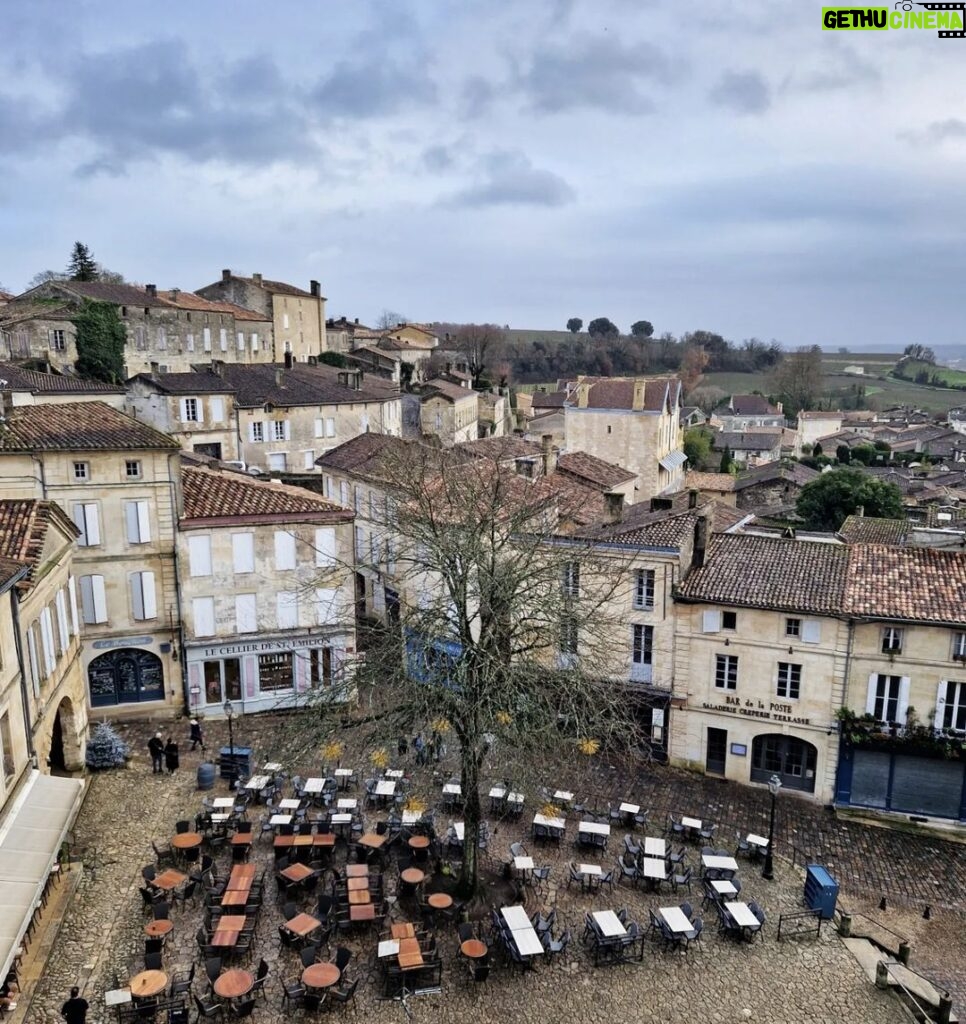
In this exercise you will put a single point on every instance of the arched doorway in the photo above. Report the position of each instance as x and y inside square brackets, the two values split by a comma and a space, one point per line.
[125, 676]
[791, 759]
[55, 759]
[66, 753]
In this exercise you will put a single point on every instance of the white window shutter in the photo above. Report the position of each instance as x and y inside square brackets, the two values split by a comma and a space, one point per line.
[711, 622]
[330, 426]
[131, 518]
[47, 641]
[217, 408]
[246, 617]
[93, 524]
[87, 599]
[137, 597]
[940, 705]
[203, 612]
[206, 336]
[308, 459]
[344, 494]
[903, 707]
[144, 521]
[287, 609]
[72, 592]
[63, 632]
[184, 410]
[319, 428]
[811, 631]
[98, 599]
[240, 341]
[251, 432]
[870, 695]
[325, 545]
[149, 595]
[254, 341]
[327, 605]
[34, 661]
[199, 555]
[287, 427]
[284, 550]
[243, 552]
[80, 521]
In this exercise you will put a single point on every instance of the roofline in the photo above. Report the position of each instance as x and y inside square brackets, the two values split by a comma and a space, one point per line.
[17, 577]
[271, 518]
[771, 607]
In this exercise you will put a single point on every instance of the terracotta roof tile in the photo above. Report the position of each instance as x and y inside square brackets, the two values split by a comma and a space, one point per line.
[362, 455]
[588, 468]
[618, 392]
[709, 481]
[302, 384]
[19, 378]
[23, 531]
[764, 572]
[869, 530]
[220, 495]
[189, 300]
[78, 426]
[792, 472]
[500, 449]
[447, 389]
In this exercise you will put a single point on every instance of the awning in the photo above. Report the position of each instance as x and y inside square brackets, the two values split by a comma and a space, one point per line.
[672, 460]
[30, 838]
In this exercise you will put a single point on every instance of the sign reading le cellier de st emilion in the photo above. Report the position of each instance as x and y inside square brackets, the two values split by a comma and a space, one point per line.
[756, 709]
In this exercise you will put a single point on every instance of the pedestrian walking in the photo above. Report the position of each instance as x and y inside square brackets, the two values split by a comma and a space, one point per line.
[197, 736]
[171, 756]
[435, 742]
[156, 746]
[402, 746]
[74, 1011]
[419, 745]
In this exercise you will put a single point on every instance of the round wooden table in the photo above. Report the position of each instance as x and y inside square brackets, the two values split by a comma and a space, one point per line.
[320, 976]
[187, 840]
[439, 900]
[418, 842]
[233, 983]
[147, 984]
[158, 929]
[474, 949]
[413, 876]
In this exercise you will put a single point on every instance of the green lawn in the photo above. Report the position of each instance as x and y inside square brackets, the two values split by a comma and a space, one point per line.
[944, 373]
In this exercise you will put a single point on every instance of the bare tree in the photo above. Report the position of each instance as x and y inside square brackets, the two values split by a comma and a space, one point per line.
[505, 633]
[693, 362]
[388, 319]
[798, 378]
[481, 345]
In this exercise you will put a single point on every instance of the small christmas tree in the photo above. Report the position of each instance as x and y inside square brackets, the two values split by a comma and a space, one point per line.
[105, 749]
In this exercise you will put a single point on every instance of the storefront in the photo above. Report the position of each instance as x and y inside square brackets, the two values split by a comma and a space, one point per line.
[128, 670]
[264, 674]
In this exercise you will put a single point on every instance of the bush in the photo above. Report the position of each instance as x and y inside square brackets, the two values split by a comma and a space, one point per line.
[105, 749]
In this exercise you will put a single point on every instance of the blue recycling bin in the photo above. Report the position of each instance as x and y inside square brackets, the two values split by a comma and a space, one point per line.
[235, 761]
[821, 891]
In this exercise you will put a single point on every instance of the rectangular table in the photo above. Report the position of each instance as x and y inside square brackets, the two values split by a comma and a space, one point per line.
[563, 796]
[372, 840]
[458, 829]
[522, 931]
[117, 997]
[724, 888]
[410, 956]
[654, 847]
[452, 789]
[340, 819]
[608, 923]
[402, 930]
[744, 918]
[257, 782]
[676, 919]
[223, 801]
[756, 840]
[720, 863]
[516, 918]
[411, 817]
[385, 787]
[219, 819]
[169, 879]
[302, 925]
[359, 895]
[594, 828]
[590, 870]
[387, 947]
[272, 766]
[347, 803]
[558, 823]
[692, 823]
[362, 912]
[394, 773]
[356, 870]
[653, 867]
[280, 819]
[297, 872]
[356, 884]
[289, 804]
[523, 863]
[629, 808]
[313, 785]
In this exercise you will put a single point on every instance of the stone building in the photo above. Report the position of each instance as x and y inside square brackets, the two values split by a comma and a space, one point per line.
[750, 447]
[118, 481]
[39, 534]
[775, 485]
[267, 585]
[634, 422]
[745, 412]
[448, 412]
[297, 316]
[20, 386]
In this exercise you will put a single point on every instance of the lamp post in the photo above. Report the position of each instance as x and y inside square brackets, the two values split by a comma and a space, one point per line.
[230, 714]
[768, 872]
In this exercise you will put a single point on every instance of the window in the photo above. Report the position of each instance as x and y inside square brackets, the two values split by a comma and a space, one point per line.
[203, 613]
[132, 469]
[344, 494]
[277, 462]
[58, 340]
[284, 550]
[140, 337]
[87, 521]
[216, 406]
[256, 431]
[643, 588]
[726, 671]
[710, 622]
[47, 641]
[240, 341]
[891, 640]
[951, 706]
[959, 646]
[642, 653]
[789, 682]
[330, 426]
[729, 620]
[223, 339]
[320, 666]
[93, 600]
[243, 552]
[254, 342]
[190, 410]
[439, 420]
[888, 698]
[281, 430]
[568, 641]
[287, 608]
[199, 555]
[138, 521]
[793, 627]
[326, 606]
[162, 339]
[308, 459]
[285, 321]
[144, 603]
[63, 629]
[82, 471]
[357, 500]
[320, 428]
[206, 338]
[190, 343]
[275, 671]
[6, 742]
[246, 616]
[570, 579]
[325, 545]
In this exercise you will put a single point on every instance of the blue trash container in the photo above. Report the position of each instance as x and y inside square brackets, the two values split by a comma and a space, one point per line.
[821, 890]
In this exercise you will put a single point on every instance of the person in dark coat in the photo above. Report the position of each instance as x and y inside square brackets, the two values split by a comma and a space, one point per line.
[74, 1011]
[403, 745]
[171, 756]
[197, 736]
[156, 747]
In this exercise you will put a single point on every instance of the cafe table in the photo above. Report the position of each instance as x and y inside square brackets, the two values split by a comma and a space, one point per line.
[356, 870]
[654, 847]
[187, 840]
[412, 876]
[347, 803]
[302, 925]
[393, 773]
[629, 809]
[719, 863]
[314, 786]
[418, 842]
[563, 796]
[226, 802]
[289, 804]
[676, 919]
[233, 983]
[402, 930]
[452, 789]
[409, 955]
[385, 787]
[439, 900]
[257, 782]
[372, 840]
[158, 929]
[169, 879]
[359, 896]
[148, 984]
[473, 949]
[297, 872]
[272, 766]
[356, 884]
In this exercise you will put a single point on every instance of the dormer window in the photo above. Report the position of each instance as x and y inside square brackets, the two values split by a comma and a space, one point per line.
[959, 646]
[891, 640]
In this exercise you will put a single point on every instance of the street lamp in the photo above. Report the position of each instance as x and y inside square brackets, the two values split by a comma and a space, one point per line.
[768, 872]
[230, 714]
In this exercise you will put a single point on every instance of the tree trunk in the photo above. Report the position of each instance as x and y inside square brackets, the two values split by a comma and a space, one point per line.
[470, 785]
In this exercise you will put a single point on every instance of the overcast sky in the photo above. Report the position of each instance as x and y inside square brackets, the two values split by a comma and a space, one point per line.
[717, 165]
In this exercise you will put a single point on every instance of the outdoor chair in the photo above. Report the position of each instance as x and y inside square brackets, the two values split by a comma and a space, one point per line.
[479, 971]
[681, 880]
[208, 1009]
[687, 910]
[557, 946]
[627, 871]
[153, 961]
[540, 877]
[632, 848]
[181, 981]
[674, 828]
[574, 875]
[293, 992]
[344, 995]
[342, 958]
[309, 955]
[213, 968]
[243, 1009]
[744, 848]
[707, 830]
[261, 976]
[182, 826]
[694, 935]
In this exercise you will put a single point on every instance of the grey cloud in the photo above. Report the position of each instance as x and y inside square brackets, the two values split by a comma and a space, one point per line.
[937, 132]
[839, 67]
[597, 72]
[438, 158]
[509, 178]
[744, 92]
[476, 97]
[374, 89]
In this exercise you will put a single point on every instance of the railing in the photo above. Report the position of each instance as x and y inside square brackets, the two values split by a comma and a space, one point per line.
[808, 916]
[846, 927]
[886, 974]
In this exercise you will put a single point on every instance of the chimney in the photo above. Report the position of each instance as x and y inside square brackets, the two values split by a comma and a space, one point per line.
[152, 290]
[356, 320]
[218, 367]
[315, 289]
[637, 402]
[692, 498]
[549, 455]
[700, 542]
[155, 368]
[613, 507]
[175, 292]
[257, 278]
[278, 376]
[289, 360]
[860, 511]
[226, 275]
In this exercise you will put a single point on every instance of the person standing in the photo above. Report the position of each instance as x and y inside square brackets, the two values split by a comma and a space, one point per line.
[74, 1011]
[419, 745]
[197, 736]
[156, 746]
[171, 755]
[402, 746]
